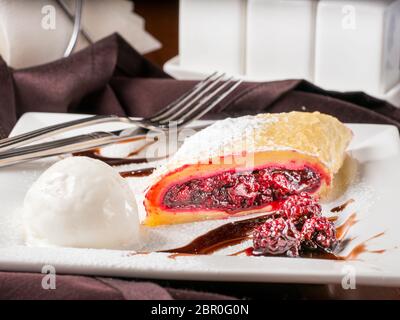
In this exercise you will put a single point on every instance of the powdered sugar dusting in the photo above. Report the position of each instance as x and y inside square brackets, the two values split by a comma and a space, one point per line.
[218, 138]
[306, 133]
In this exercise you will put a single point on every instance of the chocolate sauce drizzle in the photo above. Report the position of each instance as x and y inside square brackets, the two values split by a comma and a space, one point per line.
[342, 206]
[96, 154]
[224, 236]
[238, 231]
[343, 229]
[137, 173]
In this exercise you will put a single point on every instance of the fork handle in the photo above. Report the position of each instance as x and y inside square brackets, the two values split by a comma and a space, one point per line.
[62, 146]
[32, 136]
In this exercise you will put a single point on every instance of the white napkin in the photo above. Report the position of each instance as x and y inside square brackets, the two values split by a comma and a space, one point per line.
[103, 17]
[27, 38]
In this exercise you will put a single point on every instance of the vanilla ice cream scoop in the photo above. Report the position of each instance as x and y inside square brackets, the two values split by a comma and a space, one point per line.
[81, 202]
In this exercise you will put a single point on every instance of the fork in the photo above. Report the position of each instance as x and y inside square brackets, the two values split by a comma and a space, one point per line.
[189, 107]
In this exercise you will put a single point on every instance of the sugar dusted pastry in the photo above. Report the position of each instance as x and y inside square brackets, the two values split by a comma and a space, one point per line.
[246, 165]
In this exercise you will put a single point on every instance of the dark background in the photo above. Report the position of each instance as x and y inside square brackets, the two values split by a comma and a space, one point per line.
[162, 22]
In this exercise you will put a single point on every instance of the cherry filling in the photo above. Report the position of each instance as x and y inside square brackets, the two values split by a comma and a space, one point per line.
[298, 226]
[232, 190]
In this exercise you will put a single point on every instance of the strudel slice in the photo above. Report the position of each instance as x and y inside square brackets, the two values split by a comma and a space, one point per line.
[245, 165]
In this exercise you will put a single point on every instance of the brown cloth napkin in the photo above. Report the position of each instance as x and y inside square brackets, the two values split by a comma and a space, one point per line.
[27, 286]
[110, 77]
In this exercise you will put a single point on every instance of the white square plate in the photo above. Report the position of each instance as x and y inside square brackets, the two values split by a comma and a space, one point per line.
[376, 148]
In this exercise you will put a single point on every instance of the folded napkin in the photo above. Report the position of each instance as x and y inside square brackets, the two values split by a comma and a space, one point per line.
[37, 32]
[110, 77]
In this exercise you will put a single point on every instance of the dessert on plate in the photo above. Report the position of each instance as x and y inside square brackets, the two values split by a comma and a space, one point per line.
[246, 165]
[280, 165]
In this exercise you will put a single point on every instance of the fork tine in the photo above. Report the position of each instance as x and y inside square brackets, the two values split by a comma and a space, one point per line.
[197, 102]
[203, 106]
[185, 107]
[174, 105]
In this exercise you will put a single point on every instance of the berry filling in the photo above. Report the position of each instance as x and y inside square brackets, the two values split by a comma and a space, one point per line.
[299, 208]
[235, 191]
[298, 226]
[319, 233]
[277, 237]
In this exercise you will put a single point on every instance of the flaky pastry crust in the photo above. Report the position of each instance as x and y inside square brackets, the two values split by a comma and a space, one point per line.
[290, 140]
